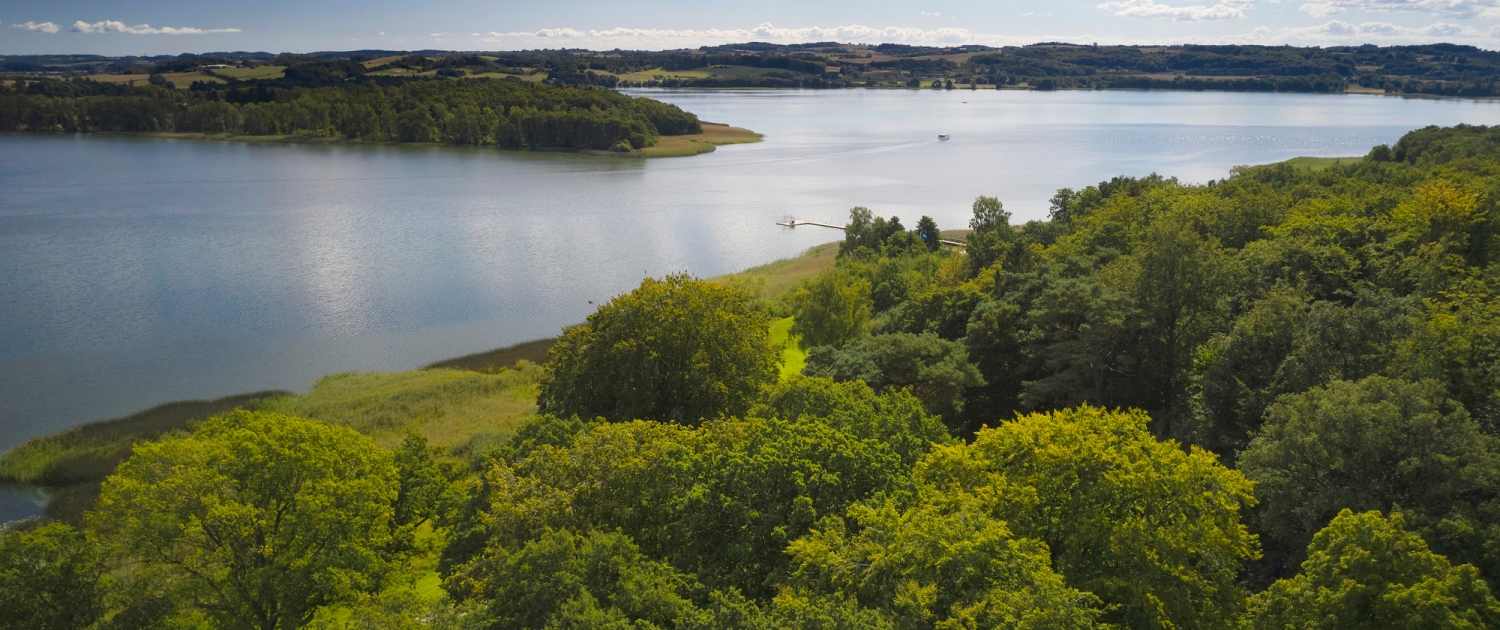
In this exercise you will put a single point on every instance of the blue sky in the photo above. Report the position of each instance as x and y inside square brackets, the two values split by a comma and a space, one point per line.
[177, 26]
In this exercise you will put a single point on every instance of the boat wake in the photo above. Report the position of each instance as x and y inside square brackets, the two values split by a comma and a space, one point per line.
[796, 159]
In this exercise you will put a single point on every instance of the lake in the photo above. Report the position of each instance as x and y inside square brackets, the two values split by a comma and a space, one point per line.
[139, 271]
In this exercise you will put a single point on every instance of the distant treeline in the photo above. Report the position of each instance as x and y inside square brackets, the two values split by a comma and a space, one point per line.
[507, 114]
[1439, 69]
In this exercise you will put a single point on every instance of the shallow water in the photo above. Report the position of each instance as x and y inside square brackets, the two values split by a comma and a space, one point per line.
[139, 271]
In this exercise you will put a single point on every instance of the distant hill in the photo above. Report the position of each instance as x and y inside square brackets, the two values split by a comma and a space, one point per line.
[1443, 69]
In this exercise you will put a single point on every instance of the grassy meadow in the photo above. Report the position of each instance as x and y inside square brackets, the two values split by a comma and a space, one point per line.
[449, 407]
[181, 80]
[246, 74]
[774, 279]
[658, 74]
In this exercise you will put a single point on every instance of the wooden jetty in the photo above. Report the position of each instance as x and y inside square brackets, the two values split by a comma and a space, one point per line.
[791, 223]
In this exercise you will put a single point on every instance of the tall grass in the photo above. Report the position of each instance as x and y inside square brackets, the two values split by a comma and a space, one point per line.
[92, 451]
[448, 407]
[775, 279]
[500, 358]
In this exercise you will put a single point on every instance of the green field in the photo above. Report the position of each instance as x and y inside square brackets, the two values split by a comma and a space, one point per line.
[658, 74]
[179, 79]
[1313, 164]
[244, 74]
[532, 78]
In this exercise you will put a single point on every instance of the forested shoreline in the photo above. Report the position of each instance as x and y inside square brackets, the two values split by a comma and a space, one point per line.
[1268, 401]
[508, 115]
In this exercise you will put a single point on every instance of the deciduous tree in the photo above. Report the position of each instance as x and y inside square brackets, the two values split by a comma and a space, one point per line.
[678, 349]
[260, 518]
[1367, 571]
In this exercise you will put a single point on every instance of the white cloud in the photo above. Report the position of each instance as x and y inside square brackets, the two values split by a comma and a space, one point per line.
[932, 13]
[438, 34]
[650, 38]
[1460, 9]
[1331, 33]
[111, 26]
[40, 27]
[1338, 32]
[382, 33]
[1150, 9]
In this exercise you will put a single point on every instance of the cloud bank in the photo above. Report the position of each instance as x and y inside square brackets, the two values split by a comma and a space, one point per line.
[111, 26]
[40, 27]
[674, 38]
[1149, 9]
[1340, 32]
[1229, 9]
[1331, 33]
[1458, 9]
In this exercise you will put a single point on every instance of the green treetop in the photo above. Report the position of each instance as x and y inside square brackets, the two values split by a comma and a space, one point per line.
[1365, 571]
[256, 519]
[679, 349]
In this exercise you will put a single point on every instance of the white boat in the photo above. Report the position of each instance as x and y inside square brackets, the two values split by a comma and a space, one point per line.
[942, 136]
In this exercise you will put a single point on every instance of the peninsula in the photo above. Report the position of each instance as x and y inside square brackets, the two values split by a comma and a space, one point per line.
[330, 102]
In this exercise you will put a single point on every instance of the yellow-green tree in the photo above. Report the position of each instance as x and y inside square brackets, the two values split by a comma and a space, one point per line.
[678, 349]
[945, 563]
[1152, 530]
[256, 519]
[1366, 571]
[50, 579]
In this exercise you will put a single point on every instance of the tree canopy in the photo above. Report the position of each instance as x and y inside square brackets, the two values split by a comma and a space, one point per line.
[1367, 571]
[678, 349]
[505, 114]
[257, 519]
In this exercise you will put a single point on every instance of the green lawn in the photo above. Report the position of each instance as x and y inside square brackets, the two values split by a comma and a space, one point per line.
[793, 357]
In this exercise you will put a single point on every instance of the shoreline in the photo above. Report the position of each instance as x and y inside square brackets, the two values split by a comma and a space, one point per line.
[67, 466]
[1013, 88]
[714, 135]
[23, 468]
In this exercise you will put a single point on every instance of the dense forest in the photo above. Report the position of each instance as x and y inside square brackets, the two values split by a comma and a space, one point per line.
[507, 114]
[1268, 401]
[1438, 69]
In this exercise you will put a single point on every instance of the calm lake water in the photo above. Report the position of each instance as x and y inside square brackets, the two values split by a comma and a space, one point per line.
[135, 272]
